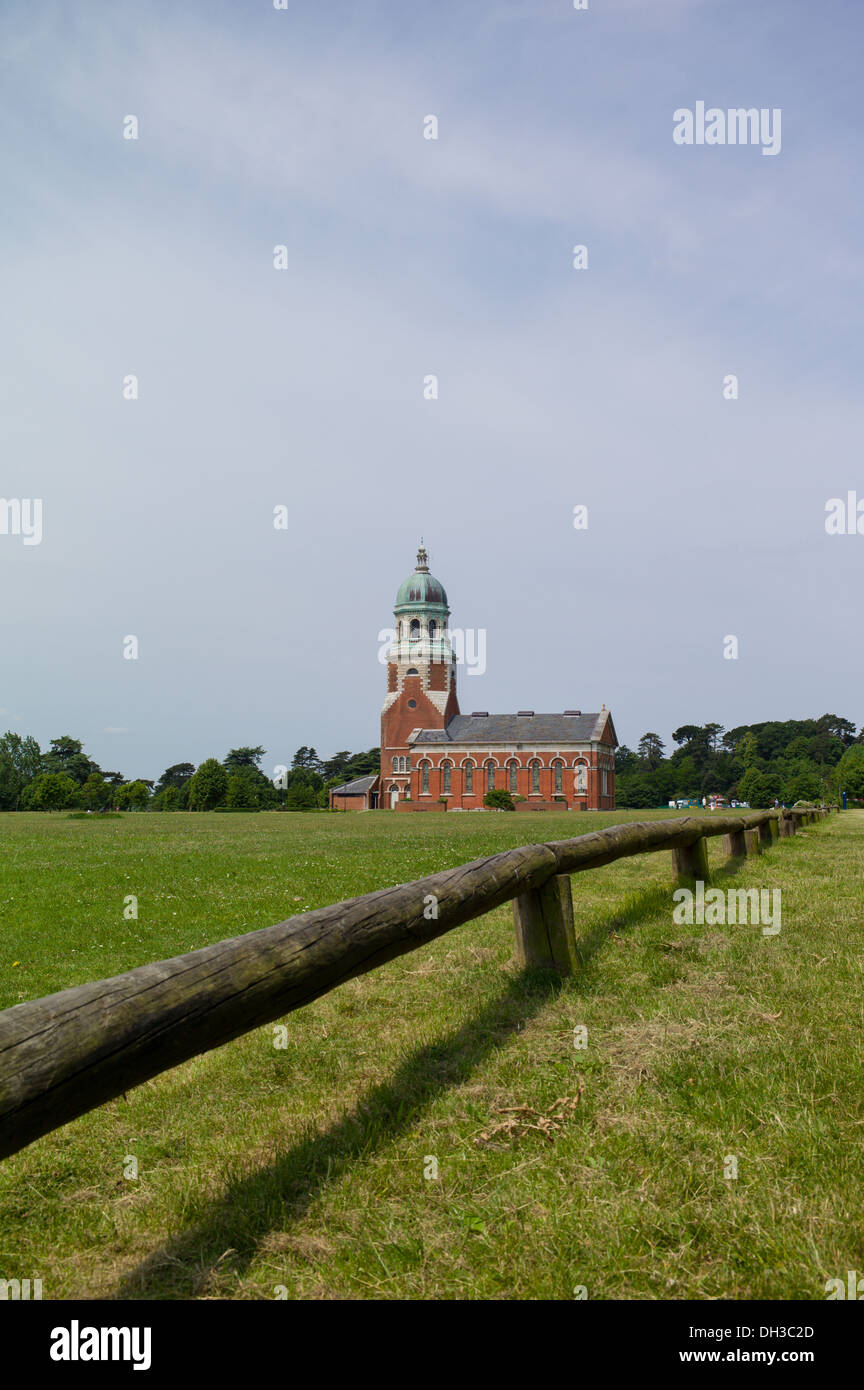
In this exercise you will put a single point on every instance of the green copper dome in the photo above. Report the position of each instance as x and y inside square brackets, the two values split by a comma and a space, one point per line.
[421, 589]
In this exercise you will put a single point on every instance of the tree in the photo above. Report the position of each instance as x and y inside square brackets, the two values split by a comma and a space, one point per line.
[307, 759]
[25, 754]
[132, 796]
[760, 789]
[638, 792]
[335, 767]
[50, 791]
[67, 755]
[244, 757]
[850, 771]
[96, 794]
[175, 776]
[838, 728]
[209, 786]
[240, 793]
[802, 786]
[650, 750]
[301, 796]
[747, 751]
[20, 762]
[625, 760]
[64, 748]
[695, 743]
[713, 732]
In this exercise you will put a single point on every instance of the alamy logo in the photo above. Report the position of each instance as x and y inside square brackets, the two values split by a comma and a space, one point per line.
[20, 1289]
[852, 1288]
[76, 1343]
[737, 906]
[467, 645]
[845, 515]
[738, 126]
[22, 516]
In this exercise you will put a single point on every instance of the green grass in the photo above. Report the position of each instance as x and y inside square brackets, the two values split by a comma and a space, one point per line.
[304, 1167]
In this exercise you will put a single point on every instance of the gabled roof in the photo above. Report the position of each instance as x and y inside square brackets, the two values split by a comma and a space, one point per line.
[510, 729]
[357, 787]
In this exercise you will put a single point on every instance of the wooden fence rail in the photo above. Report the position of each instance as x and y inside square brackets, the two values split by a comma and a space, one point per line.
[68, 1053]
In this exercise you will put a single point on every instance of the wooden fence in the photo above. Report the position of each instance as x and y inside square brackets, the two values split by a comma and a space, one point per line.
[68, 1053]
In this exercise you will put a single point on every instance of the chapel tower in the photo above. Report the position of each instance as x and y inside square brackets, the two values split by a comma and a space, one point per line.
[421, 675]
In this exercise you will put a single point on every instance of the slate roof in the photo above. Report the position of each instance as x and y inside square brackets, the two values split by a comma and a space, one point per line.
[510, 729]
[357, 787]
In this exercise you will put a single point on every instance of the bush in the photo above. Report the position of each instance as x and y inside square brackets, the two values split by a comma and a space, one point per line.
[499, 800]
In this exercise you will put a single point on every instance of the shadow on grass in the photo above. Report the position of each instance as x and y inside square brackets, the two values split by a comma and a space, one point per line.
[284, 1189]
[652, 902]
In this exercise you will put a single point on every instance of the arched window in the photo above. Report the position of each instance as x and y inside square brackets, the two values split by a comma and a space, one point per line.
[559, 775]
[535, 775]
[581, 778]
[469, 779]
[445, 769]
[513, 768]
[490, 775]
[412, 671]
[424, 778]
[433, 629]
[395, 764]
[415, 630]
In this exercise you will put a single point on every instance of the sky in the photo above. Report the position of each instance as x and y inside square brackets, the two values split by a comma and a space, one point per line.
[302, 388]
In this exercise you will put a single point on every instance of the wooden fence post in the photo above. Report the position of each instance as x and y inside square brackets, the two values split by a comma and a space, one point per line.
[766, 831]
[735, 845]
[691, 861]
[787, 825]
[545, 935]
[751, 838]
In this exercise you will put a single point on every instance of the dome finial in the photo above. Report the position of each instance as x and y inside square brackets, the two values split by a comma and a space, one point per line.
[422, 559]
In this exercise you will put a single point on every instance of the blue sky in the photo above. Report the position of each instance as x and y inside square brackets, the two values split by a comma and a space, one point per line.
[406, 256]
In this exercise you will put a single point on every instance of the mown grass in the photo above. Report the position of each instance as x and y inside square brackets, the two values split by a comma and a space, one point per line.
[262, 1169]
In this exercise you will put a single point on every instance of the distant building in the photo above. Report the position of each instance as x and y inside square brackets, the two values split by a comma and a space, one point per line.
[432, 755]
[359, 795]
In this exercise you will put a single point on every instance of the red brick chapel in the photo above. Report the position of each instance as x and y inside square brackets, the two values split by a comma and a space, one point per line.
[434, 758]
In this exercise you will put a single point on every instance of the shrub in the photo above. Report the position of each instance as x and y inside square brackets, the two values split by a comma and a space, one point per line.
[499, 800]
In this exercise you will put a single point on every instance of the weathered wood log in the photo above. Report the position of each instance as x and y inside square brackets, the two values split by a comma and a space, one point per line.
[752, 842]
[69, 1052]
[767, 831]
[787, 825]
[543, 919]
[600, 847]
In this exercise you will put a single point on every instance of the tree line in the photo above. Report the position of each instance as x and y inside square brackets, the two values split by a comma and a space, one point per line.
[786, 761]
[65, 778]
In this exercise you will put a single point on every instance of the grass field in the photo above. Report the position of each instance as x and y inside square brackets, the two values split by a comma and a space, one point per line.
[303, 1169]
